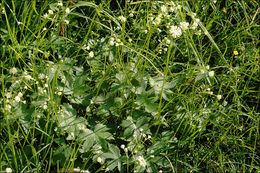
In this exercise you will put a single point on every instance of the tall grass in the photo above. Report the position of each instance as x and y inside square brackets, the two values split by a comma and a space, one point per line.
[115, 86]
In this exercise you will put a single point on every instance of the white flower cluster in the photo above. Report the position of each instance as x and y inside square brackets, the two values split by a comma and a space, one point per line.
[195, 23]
[184, 25]
[141, 161]
[122, 19]
[116, 42]
[18, 97]
[13, 70]
[175, 31]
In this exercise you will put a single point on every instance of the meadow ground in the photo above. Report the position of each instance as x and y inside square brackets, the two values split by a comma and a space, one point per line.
[129, 86]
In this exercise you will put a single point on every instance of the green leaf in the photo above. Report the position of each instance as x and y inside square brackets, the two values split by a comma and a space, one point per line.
[89, 139]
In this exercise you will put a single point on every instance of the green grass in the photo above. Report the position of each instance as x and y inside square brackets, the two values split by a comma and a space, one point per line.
[112, 86]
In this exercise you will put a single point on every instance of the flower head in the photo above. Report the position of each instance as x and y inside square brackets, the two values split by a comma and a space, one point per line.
[60, 3]
[67, 10]
[219, 97]
[235, 52]
[141, 161]
[8, 95]
[8, 170]
[122, 19]
[164, 9]
[41, 76]
[211, 74]
[99, 160]
[175, 31]
[17, 99]
[13, 70]
[91, 54]
[184, 25]
[50, 11]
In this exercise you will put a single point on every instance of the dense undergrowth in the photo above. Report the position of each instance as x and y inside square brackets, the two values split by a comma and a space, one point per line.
[129, 86]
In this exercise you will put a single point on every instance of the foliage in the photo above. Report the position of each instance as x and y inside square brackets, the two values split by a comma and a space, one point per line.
[129, 86]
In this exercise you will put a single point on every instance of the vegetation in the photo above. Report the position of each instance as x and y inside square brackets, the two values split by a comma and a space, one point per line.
[129, 86]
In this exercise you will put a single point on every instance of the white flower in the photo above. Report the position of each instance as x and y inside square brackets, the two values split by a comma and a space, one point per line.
[122, 19]
[175, 31]
[59, 93]
[45, 15]
[8, 170]
[207, 67]
[46, 85]
[28, 77]
[20, 94]
[211, 74]
[157, 20]
[8, 107]
[197, 20]
[40, 90]
[131, 15]
[45, 106]
[184, 25]
[164, 9]
[8, 95]
[50, 11]
[123, 146]
[91, 54]
[111, 42]
[60, 3]
[41, 76]
[219, 97]
[99, 159]
[195, 24]
[85, 171]
[17, 99]
[168, 41]
[142, 161]
[13, 70]
[66, 21]
[67, 10]
[3, 10]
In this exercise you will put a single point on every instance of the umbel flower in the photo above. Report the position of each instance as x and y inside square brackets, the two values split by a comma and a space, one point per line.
[141, 161]
[175, 31]
[13, 70]
[184, 25]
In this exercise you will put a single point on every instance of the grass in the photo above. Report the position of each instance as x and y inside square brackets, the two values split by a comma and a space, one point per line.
[97, 86]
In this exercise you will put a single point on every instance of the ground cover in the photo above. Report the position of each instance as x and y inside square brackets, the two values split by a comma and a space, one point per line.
[129, 86]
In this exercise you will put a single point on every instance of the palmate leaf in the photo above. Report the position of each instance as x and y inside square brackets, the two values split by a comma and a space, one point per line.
[148, 103]
[114, 154]
[100, 135]
[157, 84]
[132, 126]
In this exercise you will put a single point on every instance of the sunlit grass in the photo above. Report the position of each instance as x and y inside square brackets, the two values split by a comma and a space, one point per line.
[139, 86]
